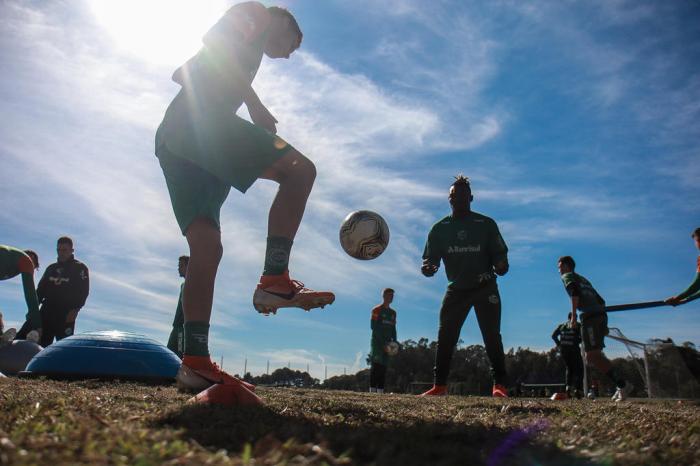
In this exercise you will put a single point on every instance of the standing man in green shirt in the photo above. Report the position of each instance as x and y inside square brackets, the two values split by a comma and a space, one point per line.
[176, 341]
[594, 323]
[14, 262]
[693, 290]
[473, 252]
[204, 149]
[383, 324]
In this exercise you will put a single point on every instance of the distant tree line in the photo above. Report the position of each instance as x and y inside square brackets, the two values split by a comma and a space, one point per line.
[411, 370]
[283, 377]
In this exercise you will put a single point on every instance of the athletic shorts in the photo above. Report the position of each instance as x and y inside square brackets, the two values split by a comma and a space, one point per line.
[594, 328]
[204, 150]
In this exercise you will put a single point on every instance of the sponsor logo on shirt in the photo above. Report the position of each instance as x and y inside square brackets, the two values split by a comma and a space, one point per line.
[462, 249]
[59, 280]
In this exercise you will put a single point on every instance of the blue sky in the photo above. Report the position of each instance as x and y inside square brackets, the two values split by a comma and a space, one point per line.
[576, 121]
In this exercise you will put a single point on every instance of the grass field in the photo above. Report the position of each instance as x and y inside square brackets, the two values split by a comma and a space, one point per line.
[91, 422]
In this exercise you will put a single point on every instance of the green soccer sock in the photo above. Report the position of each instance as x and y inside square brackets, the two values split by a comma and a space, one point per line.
[196, 338]
[277, 255]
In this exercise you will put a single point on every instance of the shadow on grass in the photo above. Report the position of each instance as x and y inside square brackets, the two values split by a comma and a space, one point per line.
[371, 442]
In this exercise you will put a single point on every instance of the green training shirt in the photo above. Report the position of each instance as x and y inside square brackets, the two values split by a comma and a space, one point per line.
[470, 247]
[13, 262]
[383, 326]
[693, 289]
[566, 336]
[589, 299]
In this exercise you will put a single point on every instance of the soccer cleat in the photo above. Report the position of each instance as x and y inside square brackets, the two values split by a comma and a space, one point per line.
[621, 394]
[558, 396]
[198, 373]
[227, 395]
[276, 291]
[499, 391]
[437, 390]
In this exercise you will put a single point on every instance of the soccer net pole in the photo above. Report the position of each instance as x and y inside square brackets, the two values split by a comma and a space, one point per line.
[616, 334]
[633, 306]
[645, 305]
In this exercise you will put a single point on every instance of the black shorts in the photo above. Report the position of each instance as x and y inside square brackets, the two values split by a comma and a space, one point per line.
[594, 328]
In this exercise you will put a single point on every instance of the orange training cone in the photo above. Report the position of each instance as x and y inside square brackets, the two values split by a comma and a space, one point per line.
[227, 395]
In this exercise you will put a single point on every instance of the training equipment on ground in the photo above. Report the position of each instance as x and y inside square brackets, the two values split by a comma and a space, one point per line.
[364, 235]
[15, 356]
[227, 395]
[632, 306]
[106, 355]
[392, 348]
[644, 305]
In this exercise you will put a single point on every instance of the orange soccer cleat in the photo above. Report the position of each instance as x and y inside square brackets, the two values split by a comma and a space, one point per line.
[227, 395]
[199, 373]
[499, 391]
[437, 390]
[559, 396]
[276, 291]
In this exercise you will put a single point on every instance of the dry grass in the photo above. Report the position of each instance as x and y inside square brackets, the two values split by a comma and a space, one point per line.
[90, 422]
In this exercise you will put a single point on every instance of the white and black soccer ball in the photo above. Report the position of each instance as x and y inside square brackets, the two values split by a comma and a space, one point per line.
[392, 348]
[364, 235]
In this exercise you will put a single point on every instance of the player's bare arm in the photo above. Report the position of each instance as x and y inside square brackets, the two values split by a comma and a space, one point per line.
[218, 44]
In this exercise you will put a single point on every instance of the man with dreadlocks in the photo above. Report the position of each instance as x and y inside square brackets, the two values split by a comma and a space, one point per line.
[474, 252]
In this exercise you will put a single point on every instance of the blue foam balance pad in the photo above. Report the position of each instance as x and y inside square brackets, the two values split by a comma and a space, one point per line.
[110, 354]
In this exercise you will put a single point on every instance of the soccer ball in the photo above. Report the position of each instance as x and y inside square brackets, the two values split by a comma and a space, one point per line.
[392, 348]
[364, 235]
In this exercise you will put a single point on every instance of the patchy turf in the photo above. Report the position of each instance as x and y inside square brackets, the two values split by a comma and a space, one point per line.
[90, 422]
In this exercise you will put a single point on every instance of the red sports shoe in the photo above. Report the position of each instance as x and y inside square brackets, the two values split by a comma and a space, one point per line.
[559, 396]
[276, 291]
[437, 390]
[499, 391]
[198, 373]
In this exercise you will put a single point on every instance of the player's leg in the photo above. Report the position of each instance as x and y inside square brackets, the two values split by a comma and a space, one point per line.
[198, 371]
[204, 240]
[569, 358]
[23, 331]
[295, 174]
[593, 331]
[373, 377]
[455, 307]
[381, 378]
[578, 371]
[49, 325]
[487, 305]
[176, 339]
[197, 196]
[67, 328]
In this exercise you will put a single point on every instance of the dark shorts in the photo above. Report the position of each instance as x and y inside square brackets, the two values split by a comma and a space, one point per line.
[594, 328]
[204, 150]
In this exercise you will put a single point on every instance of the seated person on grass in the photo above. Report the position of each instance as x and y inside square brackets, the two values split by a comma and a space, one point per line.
[15, 262]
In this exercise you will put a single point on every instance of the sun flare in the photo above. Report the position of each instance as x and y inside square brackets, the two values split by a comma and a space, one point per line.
[163, 32]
